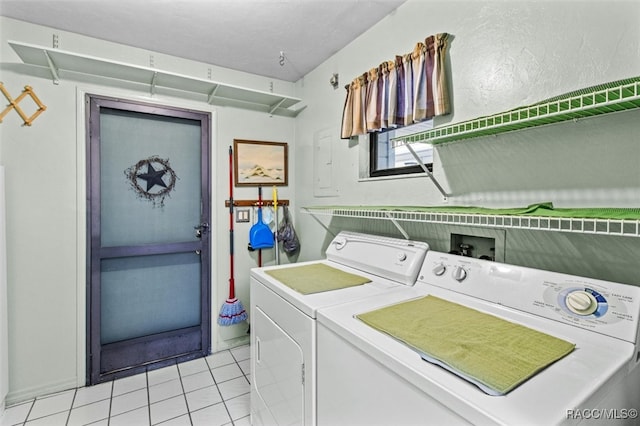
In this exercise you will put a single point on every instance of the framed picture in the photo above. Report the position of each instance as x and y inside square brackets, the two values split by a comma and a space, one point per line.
[259, 163]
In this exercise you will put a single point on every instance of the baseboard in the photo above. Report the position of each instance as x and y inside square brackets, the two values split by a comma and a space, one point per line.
[232, 343]
[38, 391]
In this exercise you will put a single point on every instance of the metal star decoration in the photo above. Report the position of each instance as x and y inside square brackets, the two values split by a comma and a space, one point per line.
[153, 177]
[162, 176]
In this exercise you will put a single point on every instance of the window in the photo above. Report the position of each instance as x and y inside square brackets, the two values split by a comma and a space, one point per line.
[389, 158]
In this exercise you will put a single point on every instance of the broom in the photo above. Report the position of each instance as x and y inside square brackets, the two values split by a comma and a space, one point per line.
[232, 311]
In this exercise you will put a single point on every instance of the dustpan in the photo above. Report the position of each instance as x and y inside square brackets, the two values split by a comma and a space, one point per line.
[260, 235]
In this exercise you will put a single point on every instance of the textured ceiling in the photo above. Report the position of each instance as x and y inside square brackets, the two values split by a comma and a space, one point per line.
[245, 35]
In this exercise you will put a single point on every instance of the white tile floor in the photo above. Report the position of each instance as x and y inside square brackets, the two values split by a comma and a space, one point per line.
[207, 391]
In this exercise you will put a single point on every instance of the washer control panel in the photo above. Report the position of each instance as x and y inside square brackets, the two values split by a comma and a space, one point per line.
[590, 302]
[601, 306]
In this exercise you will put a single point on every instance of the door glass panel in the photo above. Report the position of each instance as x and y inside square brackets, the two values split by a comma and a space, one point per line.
[146, 295]
[135, 149]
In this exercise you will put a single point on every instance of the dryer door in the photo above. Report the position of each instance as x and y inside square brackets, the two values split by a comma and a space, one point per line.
[279, 374]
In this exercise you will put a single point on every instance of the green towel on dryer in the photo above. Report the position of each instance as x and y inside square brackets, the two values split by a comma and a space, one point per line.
[316, 278]
[493, 353]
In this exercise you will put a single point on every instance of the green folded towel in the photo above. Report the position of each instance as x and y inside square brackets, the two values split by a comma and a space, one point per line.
[316, 278]
[487, 350]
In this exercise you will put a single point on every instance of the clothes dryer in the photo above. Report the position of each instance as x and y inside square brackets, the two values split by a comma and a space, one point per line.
[284, 303]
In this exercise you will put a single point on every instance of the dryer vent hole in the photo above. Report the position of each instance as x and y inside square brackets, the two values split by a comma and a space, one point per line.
[473, 246]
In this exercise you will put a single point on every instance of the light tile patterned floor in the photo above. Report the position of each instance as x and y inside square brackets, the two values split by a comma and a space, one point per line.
[208, 391]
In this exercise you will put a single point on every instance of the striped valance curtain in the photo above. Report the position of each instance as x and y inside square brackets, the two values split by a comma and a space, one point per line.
[409, 89]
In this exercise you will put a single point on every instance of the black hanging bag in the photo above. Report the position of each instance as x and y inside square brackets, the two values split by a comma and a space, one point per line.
[287, 234]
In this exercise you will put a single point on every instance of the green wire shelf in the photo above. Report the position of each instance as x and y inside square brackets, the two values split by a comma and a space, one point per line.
[604, 99]
[581, 225]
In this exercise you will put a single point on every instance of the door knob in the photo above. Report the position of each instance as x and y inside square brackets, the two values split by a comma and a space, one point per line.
[200, 229]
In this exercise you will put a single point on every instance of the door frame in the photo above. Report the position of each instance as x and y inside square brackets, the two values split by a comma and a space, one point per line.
[82, 270]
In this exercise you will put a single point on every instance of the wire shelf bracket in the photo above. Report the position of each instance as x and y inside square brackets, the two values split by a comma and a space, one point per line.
[426, 170]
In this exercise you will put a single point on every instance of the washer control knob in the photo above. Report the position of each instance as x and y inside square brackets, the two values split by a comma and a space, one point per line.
[401, 256]
[581, 302]
[439, 270]
[459, 274]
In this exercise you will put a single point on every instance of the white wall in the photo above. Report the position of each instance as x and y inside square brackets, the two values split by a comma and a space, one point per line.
[45, 192]
[4, 330]
[502, 55]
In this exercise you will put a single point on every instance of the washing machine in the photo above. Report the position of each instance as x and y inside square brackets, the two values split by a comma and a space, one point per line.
[373, 371]
[283, 307]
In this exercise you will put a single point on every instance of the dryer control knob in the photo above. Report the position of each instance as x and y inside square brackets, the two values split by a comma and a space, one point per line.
[459, 274]
[439, 270]
[340, 243]
[401, 256]
[581, 302]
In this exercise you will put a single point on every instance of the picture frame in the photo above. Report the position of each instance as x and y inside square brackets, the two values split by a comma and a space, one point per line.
[260, 163]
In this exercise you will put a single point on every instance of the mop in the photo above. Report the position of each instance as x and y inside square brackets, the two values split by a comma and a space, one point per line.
[232, 311]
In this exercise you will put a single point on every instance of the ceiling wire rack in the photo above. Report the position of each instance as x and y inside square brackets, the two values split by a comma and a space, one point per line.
[59, 62]
[611, 227]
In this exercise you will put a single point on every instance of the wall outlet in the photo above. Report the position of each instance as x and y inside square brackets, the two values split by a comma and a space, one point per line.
[242, 215]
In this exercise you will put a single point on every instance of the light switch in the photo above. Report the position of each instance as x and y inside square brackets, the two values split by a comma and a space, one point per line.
[242, 215]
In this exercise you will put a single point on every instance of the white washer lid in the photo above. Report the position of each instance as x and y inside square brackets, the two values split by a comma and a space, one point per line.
[597, 363]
